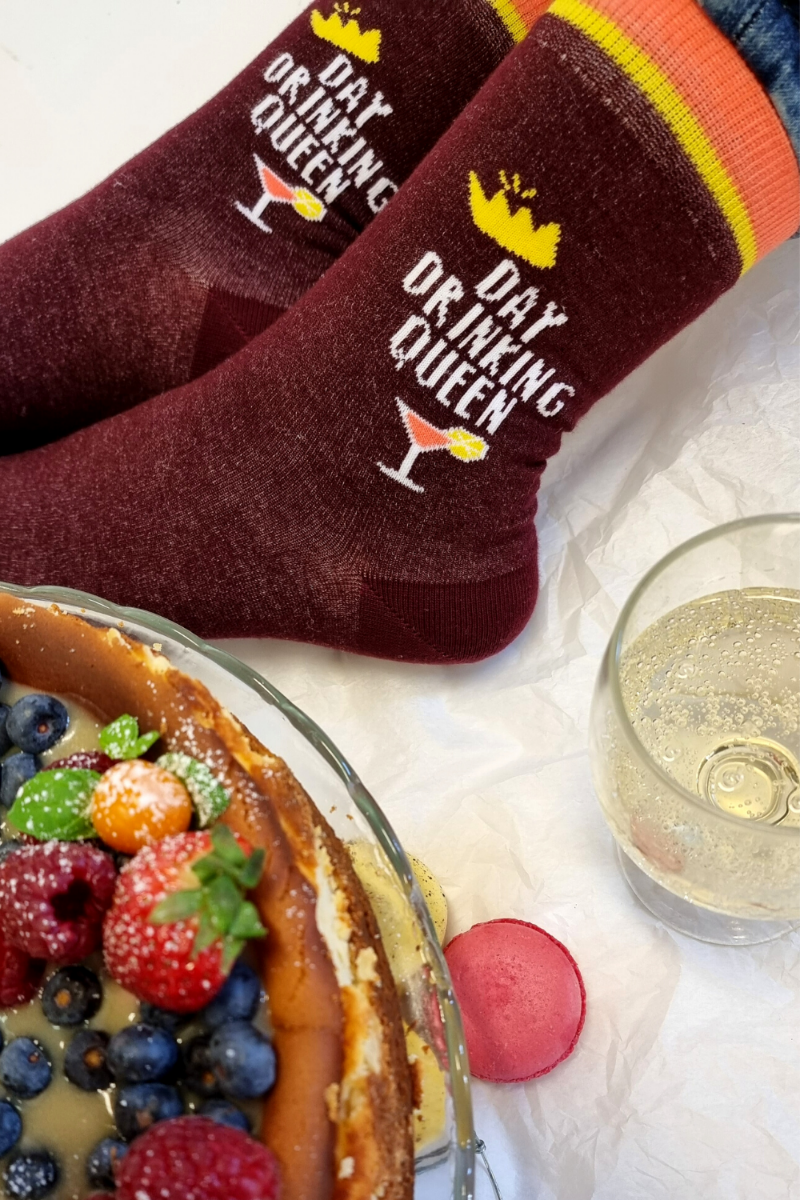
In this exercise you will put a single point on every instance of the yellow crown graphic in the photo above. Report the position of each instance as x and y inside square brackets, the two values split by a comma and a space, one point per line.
[343, 30]
[515, 232]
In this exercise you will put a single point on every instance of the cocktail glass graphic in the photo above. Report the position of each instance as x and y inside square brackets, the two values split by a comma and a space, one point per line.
[461, 443]
[276, 191]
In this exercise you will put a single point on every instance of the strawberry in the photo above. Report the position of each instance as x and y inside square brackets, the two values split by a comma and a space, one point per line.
[179, 917]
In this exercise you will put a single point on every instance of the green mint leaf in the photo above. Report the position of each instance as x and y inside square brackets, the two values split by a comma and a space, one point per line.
[209, 796]
[251, 871]
[223, 901]
[247, 923]
[144, 742]
[177, 907]
[206, 934]
[118, 738]
[227, 847]
[55, 804]
[121, 738]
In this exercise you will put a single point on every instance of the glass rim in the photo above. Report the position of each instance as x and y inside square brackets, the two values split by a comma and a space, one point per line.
[464, 1143]
[614, 651]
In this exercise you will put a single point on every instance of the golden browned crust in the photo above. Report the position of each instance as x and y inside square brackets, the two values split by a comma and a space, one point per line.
[338, 1119]
[368, 1107]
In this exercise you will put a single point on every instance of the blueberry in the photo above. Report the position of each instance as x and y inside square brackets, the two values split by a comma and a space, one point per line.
[225, 1113]
[25, 1068]
[71, 995]
[237, 1000]
[15, 771]
[140, 1105]
[85, 1061]
[100, 1163]
[140, 1053]
[31, 1176]
[243, 1060]
[162, 1017]
[10, 1126]
[5, 741]
[36, 723]
[197, 1069]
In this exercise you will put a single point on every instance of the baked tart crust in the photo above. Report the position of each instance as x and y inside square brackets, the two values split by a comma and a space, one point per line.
[339, 1117]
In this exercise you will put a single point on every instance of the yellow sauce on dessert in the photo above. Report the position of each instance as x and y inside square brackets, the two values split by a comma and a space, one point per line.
[64, 1119]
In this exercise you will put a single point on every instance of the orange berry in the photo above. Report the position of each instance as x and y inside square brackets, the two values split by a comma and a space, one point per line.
[137, 803]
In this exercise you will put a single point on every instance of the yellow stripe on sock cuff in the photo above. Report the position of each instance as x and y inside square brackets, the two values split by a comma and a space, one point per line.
[672, 108]
[510, 18]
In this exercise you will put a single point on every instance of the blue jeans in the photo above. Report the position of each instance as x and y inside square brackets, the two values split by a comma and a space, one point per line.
[765, 34]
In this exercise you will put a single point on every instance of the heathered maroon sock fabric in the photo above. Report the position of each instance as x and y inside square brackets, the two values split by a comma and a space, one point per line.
[200, 242]
[364, 474]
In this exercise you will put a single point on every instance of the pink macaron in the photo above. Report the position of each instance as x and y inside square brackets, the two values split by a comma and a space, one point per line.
[521, 996]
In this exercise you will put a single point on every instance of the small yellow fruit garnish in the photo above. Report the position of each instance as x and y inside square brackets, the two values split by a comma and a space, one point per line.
[137, 803]
[308, 206]
[466, 446]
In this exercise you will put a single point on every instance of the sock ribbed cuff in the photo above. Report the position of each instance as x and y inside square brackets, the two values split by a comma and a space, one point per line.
[519, 15]
[713, 105]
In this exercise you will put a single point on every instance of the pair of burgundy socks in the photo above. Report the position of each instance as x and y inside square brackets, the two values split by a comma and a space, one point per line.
[199, 243]
[363, 474]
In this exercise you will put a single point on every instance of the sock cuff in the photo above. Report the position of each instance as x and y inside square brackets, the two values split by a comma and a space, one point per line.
[713, 105]
[519, 15]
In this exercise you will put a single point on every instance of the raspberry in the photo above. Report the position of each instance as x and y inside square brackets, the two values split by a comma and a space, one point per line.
[20, 975]
[53, 897]
[85, 760]
[192, 1158]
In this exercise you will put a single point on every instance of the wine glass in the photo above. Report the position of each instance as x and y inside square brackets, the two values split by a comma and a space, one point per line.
[695, 734]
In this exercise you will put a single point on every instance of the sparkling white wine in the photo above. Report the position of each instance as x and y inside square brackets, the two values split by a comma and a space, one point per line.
[711, 693]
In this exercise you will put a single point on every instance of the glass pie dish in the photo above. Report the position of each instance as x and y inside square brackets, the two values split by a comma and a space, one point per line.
[445, 1164]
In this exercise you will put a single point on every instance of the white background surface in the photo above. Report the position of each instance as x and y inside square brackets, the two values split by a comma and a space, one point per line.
[685, 1083]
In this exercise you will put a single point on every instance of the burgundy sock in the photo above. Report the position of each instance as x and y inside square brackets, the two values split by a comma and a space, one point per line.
[364, 474]
[200, 242]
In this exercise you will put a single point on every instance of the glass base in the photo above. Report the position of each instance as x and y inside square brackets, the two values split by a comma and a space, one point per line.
[691, 919]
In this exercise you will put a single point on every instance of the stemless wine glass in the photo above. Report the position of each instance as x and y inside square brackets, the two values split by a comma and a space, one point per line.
[695, 734]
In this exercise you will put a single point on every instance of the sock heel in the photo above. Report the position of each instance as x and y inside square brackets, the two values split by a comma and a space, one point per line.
[445, 622]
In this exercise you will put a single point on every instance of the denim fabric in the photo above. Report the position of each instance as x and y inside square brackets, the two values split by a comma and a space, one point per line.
[765, 34]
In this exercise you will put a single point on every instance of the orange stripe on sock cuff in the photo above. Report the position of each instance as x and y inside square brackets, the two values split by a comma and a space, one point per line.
[713, 104]
[519, 15]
